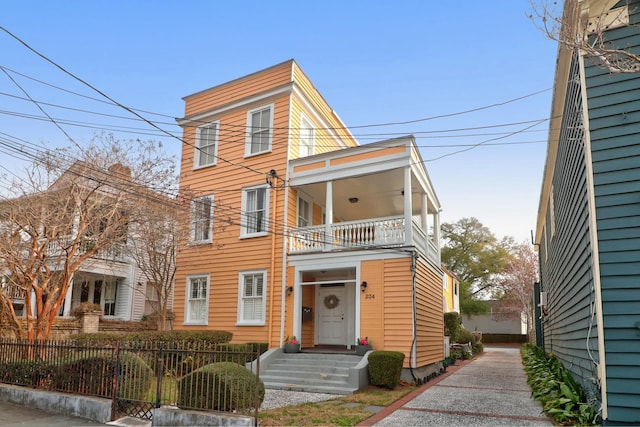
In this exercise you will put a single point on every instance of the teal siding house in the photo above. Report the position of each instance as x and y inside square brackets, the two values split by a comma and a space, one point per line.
[588, 224]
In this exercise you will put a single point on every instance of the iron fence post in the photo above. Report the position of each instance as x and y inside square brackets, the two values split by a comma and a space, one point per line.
[160, 374]
[114, 396]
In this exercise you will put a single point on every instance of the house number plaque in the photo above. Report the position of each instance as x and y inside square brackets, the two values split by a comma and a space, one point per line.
[370, 296]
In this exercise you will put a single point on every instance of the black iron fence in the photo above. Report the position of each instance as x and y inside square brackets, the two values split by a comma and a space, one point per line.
[140, 376]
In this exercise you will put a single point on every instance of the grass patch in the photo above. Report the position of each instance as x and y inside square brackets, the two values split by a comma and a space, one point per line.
[332, 412]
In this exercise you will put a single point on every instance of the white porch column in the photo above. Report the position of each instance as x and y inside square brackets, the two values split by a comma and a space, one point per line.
[436, 232]
[408, 208]
[328, 235]
[424, 216]
[67, 299]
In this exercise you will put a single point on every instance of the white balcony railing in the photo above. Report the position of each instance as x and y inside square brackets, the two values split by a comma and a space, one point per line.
[115, 252]
[361, 234]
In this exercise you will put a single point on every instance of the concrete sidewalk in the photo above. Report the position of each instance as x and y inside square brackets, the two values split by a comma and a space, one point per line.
[16, 415]
[490, 390]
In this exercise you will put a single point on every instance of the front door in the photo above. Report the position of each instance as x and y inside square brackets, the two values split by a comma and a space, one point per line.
[332, 311]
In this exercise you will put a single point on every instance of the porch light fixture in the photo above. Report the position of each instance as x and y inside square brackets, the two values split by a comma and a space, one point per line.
[289, 290]
[353, 200]
[363, 286]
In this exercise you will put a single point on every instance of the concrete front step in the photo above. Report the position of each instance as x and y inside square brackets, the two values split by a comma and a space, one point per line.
[314, 372]
[310, 388]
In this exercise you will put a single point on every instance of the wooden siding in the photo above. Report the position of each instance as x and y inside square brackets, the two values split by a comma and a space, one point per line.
[449, 291]
[566, 259]
[331, 127]
[382, 152]
[372, 303]
[228, 254]
[614, 111]
[396, 324]
[325, 139]
[239, 89]
[429, 315]
[398, 310]
[308, 327]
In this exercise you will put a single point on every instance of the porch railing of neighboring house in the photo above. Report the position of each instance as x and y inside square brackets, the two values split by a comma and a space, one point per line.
[13, 292]
[138, 377]
[115, 252]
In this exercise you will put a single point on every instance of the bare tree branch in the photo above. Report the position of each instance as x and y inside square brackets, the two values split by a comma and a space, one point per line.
[584, 26]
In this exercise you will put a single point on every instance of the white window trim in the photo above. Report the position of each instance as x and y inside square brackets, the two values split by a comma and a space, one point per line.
[187, 314]
[305, 123]
[262, 321]
[243, 212]
[310, 217]
[196, 148]
[192, 240]
[247, 145]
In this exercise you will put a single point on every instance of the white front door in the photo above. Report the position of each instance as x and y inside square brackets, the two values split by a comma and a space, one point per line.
[332, 308]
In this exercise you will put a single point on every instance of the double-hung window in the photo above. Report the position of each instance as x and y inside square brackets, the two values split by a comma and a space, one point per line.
[206, 149]
[252, 301]
[202, 219]
[196, 310]
[259, 125]
[304, 213]
[255, 211]
[307, 137]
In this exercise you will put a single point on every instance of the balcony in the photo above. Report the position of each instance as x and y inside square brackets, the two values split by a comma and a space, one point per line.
[373, 196]
[387, 232]
[115, 252]
[374, 233]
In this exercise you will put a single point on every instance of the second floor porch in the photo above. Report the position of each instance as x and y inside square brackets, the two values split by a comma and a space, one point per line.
[373, 196]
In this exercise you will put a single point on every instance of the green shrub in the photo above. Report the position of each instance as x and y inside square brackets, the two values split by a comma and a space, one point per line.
[240, 353]
[223, 386]
[478, 348]
[385, 368]
[452, 321]
[24, 372]
[92, 373]
[465, 336]
[561, 396]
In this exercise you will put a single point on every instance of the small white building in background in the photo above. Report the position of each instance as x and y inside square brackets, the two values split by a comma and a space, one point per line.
[499, 320]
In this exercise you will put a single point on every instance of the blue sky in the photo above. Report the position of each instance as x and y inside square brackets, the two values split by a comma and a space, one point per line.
[374, 62]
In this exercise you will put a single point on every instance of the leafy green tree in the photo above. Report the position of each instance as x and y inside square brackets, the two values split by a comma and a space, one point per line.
[477, 257]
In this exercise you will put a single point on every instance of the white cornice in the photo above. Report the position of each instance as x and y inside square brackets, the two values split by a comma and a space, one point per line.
[210, 114]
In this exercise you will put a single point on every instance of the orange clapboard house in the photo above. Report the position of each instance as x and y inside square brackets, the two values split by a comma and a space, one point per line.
[296, 229]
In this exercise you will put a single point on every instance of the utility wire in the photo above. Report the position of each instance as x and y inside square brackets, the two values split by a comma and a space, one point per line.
[124, 107]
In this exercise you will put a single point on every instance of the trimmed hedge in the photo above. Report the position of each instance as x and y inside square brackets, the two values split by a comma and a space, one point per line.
[164, 337]
[92, 373]
[24, 372]
[385, 368]
[223, 386]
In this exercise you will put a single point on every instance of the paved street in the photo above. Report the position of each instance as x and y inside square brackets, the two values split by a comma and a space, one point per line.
[490, 390]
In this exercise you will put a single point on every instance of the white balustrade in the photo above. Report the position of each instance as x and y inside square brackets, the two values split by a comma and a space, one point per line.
[349, 235]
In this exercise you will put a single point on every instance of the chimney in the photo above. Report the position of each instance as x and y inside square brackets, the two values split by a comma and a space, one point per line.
[118, 170]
